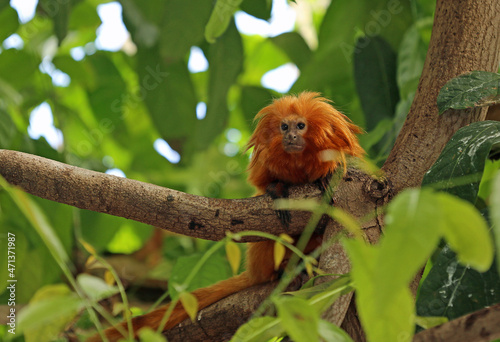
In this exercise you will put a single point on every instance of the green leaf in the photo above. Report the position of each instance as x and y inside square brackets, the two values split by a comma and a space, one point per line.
[169, 96]
[220, 18]
[332, 333]
[298, 318]
[460, 166]
[95, 288]
[215, 269]
[258, 8]
[148, 335]
[471, 90]
[225, 58]
[414, 225]
[259, 329]
[375, 77]
[10, 22]
[50, 309]
[59, 12]
[466, 232]
[252, 100]
[430, 322]
[452, 290]
[295, 47]
[495, 215]
[183, 26]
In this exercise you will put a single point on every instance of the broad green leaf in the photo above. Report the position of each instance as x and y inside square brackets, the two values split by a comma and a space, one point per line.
[17, 78]
[385, 308]
[58, 12]
[233, 253]
[10, 22]
[258, 329]
[474, 89]
[169, 96]
[460, 166]
[183, 26]
[298, 318]
[466, 231]
[295, 47]
[333, 290]
[252, 100]
[220, 18]
[48, 312]
[107, 92]
[95, 288]
[375, 77]
[215, 269]
[190, 304]
[414, 225]
[37, 218]
[332, 333]
[495, 215]
[258, 8]
[452, 290]
[225, 58]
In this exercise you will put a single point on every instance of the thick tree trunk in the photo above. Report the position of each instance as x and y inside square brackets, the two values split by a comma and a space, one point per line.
[465, 37]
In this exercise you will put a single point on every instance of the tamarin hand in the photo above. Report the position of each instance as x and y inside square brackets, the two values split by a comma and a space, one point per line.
[277, 190]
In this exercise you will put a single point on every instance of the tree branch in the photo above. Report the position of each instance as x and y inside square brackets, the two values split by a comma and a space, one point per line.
[465, 37]
[175, 211]
[478, 326]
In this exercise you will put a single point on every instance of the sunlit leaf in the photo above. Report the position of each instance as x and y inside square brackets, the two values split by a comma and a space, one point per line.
[220, 18]
[95, 288]
[233, 253]
[48, 312]
[332, 333]
[466, 231]
[279, 254]
[190, 304]
[495, 215]
[149, 335]
[430, 322]
[258, 329]
[298, 318]
[474, 89]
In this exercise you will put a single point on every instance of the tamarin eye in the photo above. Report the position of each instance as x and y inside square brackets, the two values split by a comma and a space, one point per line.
[301, 125]
[284, 126]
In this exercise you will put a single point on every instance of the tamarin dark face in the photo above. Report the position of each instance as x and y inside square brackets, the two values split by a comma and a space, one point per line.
[292, 129]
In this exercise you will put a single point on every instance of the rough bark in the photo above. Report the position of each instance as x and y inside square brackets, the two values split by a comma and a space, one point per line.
[190, 215]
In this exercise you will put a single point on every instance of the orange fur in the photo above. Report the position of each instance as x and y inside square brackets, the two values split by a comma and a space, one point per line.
[327, 130]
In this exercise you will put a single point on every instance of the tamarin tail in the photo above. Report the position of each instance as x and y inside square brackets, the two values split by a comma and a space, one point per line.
[205, 296]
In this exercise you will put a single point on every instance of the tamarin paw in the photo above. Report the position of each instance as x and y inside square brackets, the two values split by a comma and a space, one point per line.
[276, 190]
